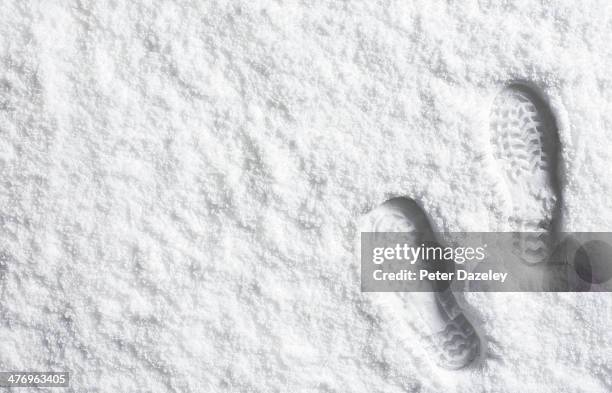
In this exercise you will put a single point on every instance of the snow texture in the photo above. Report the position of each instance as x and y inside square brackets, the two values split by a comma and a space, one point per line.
[181, 181]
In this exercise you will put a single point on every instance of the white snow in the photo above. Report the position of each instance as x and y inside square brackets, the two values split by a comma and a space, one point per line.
[180, 183]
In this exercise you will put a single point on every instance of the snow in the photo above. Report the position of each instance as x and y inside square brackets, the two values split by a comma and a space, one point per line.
[181, 183]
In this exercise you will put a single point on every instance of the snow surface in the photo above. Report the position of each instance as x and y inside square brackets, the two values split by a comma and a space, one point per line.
[180, 184]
